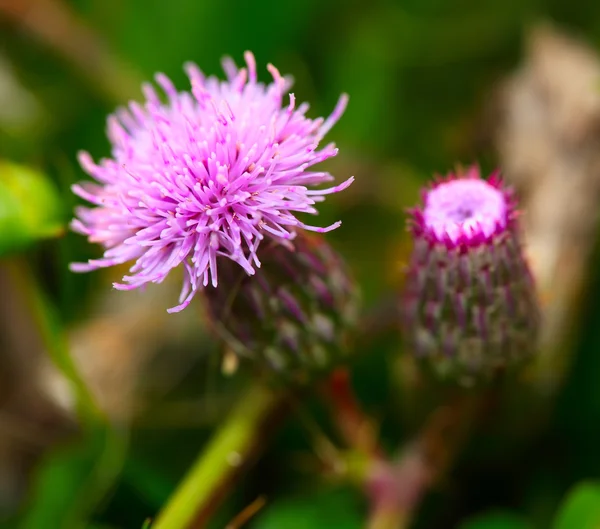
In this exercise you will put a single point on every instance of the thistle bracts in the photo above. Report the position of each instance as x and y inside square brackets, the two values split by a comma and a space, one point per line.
[293, 316]
[469, 309]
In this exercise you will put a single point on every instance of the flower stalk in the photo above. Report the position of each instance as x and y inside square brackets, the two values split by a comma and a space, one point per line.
[232, 449]
[397, 488]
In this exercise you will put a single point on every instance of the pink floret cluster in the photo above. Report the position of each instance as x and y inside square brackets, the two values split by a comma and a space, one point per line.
[199, 175]
[464, 210]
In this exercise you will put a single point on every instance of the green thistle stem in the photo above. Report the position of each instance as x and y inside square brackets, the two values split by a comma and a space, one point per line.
[231, 450]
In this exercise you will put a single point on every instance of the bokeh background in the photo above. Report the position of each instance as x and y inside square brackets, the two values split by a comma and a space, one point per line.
[432, 84]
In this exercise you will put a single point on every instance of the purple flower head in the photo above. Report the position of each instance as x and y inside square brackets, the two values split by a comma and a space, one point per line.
[465, 211]
[209, 173]
[469, 306]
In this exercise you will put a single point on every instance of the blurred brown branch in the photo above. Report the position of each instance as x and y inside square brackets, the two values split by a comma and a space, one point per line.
[251, 510]
[355, 426]
[548, 137]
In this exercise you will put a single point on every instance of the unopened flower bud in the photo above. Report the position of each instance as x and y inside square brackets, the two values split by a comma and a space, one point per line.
[292, 316]
[469, 307]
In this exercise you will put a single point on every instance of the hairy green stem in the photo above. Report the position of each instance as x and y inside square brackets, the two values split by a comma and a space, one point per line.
[228, 454]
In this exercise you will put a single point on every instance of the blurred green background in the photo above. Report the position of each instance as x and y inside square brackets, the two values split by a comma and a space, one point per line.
[421, 75]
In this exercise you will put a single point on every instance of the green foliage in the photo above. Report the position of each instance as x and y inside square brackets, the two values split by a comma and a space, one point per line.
[496, 520]
[74, 480]
[30, 207]
[321, 509]
[581, 509]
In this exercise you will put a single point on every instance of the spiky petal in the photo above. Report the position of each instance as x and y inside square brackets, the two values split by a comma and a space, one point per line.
[209, 173]
[469, 307]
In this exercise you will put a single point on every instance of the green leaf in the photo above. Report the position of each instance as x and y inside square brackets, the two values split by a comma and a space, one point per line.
[323, 509]
[496, 520]
[74, 480]
[581, 509]
[30, 207]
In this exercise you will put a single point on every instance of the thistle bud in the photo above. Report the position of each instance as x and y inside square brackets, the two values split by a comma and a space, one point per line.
[294, 314]
[469, 308]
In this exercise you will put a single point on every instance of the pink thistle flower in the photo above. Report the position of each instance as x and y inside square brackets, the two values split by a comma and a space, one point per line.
[205, 174]
[469, 306]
